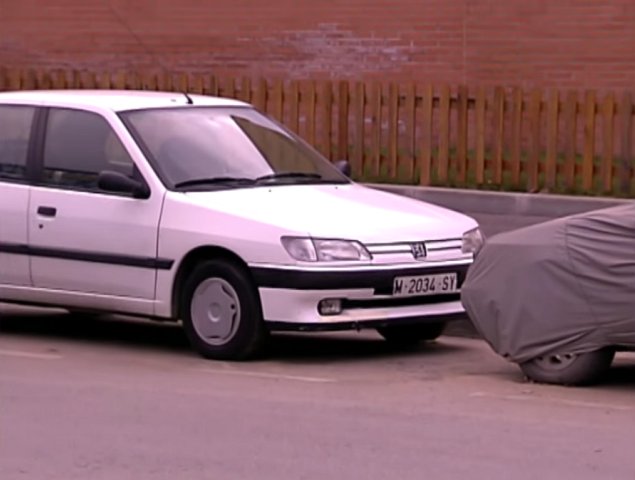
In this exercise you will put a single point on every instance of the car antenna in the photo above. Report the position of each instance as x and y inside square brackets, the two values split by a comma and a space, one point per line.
[126, 26]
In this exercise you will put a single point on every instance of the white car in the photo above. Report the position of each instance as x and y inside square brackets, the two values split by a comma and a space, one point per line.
[200, 209]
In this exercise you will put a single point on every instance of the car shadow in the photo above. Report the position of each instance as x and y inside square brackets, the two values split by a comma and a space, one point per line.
[340, 347]
[620, 377]
[148, 335]
[102, 329]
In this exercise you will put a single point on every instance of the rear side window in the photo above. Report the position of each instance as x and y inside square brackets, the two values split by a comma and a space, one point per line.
[78, 146]
[15, 130]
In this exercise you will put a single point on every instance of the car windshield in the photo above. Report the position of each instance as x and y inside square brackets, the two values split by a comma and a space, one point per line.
[219, 147]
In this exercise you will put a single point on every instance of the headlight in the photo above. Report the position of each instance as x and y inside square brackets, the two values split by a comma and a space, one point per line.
[324, 250]
[472, 241]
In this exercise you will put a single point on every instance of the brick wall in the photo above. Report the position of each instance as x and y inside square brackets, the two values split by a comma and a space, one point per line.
[566, 43]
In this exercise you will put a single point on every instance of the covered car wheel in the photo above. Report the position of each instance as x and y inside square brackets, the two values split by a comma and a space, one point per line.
[412, 334]
[221, 312]
[569, 369]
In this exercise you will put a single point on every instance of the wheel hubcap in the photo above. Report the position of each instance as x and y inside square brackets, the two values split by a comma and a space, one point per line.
[557, 361]
[215, 311]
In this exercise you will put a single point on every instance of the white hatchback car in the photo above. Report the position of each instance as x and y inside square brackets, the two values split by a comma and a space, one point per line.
[202, 209]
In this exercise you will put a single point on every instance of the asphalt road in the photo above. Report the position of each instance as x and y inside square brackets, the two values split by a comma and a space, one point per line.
[112, 399]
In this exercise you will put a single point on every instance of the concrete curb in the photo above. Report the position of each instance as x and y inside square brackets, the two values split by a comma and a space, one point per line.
[503, 203]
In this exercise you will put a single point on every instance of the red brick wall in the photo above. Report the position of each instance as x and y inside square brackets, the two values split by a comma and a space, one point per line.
[567, 43]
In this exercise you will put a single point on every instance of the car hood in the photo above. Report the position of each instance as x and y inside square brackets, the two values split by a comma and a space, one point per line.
[348, 211]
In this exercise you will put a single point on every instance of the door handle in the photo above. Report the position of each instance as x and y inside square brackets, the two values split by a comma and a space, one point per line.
[47, 211]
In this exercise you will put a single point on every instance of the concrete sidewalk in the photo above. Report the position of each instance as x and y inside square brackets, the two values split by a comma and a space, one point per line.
[501, 211]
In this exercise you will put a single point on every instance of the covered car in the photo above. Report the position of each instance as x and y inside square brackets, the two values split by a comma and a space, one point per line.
[558, 298]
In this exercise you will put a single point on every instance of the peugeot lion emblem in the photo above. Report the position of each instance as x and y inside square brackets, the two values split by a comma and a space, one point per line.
[418, 250]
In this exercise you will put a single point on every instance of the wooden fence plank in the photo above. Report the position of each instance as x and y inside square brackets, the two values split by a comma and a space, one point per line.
[327, 121]
[533, 165]
[608, 116]
[153, 82]
[277, 98]
[626, 163]
[59, 79]
[499, 134]
[91, 81]
[103, 83]
[589, 141]
[360, 120]
[444, 134]
[119, 81]
[393, 129]
[229, 88]
[196, 84]
[424, 160]
[342, 120]
[29, 80]
[15, 79]
[480, 136]
[552, 140]
[133, 81]
[311, 108]
[570, 138]
[245, 89]
[294, 106]
[213, 86]
[410, 113]
[516, 137]
[261, 95]
[181, 83]
[46, 82]
[461, 149]
[375, 106]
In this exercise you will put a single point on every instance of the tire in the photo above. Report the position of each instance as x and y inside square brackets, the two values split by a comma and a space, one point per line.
[562, 369]
[410, 335]
[221, 312]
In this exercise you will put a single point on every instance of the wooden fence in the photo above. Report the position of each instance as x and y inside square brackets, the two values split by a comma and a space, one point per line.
[494, 138]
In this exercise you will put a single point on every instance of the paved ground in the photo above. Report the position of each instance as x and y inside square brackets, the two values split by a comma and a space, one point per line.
[116, 399]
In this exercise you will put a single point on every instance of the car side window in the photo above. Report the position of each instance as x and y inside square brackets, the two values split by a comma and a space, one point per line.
[15, 130]
[78, 146]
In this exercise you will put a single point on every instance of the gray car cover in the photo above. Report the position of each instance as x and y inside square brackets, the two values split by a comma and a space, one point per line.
[563, 286]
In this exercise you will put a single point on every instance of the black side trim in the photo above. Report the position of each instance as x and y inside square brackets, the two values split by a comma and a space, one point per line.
[13, 248]
[380, 280]
[367, 324]
[125, 260]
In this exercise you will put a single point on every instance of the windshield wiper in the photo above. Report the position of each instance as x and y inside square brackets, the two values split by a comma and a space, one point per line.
[214, 181]
[290, 175]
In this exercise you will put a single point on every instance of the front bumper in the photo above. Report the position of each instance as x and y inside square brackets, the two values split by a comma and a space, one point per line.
[290, 297]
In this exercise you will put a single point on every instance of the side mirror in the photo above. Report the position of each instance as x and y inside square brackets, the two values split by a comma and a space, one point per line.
[110, 181]
[344, 166]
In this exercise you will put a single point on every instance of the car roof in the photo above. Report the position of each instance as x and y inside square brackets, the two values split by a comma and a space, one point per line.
[115, 100]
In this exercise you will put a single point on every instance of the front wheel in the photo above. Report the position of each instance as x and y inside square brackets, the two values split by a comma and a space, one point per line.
[569, 369]
[409, 335]
[221, 312]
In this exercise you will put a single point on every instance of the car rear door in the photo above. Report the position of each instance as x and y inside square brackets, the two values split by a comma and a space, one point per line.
[16, 125]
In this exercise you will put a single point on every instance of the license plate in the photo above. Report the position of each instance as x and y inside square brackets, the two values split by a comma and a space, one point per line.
[437, 284]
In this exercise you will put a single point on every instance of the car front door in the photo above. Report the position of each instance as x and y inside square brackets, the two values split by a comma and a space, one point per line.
[15, 129]
[83, 239]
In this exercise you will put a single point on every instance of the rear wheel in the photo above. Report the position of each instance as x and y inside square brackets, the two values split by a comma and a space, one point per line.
[569, 369]
[221, 312]
[412, 334]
